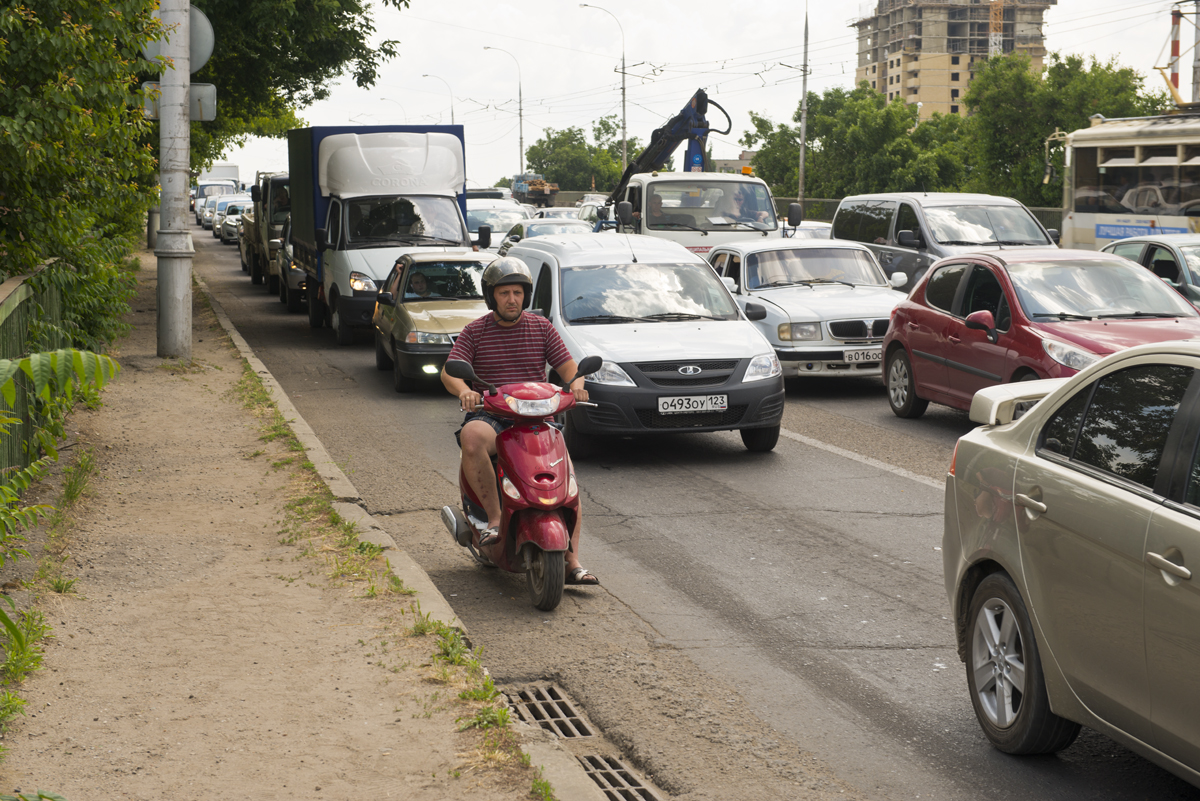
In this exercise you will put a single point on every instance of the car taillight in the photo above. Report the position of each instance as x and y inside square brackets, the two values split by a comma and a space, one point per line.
[953, 459]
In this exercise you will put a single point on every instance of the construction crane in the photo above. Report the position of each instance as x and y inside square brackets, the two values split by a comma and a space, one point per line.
[996, 28]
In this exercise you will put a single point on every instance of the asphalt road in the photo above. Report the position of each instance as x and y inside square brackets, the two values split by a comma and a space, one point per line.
[808, 579]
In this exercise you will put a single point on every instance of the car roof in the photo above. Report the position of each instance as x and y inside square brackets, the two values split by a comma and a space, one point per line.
[1024, 255]
[940, 198]
[549, 222]
[1175, 239]
[758, 245]
[424, 257]
[585, 249]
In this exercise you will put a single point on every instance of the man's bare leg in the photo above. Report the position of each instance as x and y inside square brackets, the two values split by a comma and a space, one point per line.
[478, 447]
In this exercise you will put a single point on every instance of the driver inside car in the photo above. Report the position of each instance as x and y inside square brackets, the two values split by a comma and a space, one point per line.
[507, 346]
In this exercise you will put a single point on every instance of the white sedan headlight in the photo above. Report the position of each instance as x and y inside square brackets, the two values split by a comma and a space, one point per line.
[362, 283]
[533, 408]
[763, 367]
[426, 338]
[790, 332]
[612, 375]
[1069, 355]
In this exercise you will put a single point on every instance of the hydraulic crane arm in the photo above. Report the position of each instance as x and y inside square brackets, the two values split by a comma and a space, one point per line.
[689, 125]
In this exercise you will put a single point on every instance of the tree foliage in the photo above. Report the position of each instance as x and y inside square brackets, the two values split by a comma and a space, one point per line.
[568, 159]
[75, 180]
[273, 57]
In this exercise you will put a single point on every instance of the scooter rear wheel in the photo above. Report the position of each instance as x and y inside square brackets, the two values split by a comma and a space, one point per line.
[546, 576]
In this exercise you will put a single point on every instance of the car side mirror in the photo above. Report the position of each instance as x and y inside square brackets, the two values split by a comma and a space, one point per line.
[756, 312]
[256, 193]
[515, 238]
[385, 299]
[795, 214]
[729, 283]
[322, 241]
[898, 279]
[602, 213]
[485, 239]
[1055, 236]
[908, 239]
[274, 245]
[625, 212]
[983, 320]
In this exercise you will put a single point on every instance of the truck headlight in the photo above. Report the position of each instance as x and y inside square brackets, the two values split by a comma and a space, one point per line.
[790, 332]
[425, 338]
[612, 375]
[763, 367]
[362, 283]
[1068, 355]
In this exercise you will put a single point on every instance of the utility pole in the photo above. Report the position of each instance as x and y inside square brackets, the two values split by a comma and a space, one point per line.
[174, 246]
[624, 136]
[520, 111]
[803, 111]
[1196, 55]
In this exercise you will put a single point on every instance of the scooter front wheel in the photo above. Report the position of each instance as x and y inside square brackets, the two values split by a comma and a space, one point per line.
[546, 575]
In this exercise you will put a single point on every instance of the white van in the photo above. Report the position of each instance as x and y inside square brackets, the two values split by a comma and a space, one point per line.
[679, 355]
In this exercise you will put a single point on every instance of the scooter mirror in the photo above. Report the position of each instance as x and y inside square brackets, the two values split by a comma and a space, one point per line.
[463, 371]
[589, 365]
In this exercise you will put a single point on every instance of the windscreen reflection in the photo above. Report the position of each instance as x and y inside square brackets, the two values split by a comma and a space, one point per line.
[1093, 288]
[984, 225]
[781, 267]
[639, 292]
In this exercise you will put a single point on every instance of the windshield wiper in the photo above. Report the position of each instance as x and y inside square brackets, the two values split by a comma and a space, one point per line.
[678, 225]
[1162, 315]
[965, 242]
[1064, 316]
[1020, 242]
[779, 283]
[671, 316]
[605, 318]
[811, 281]
[751, 226]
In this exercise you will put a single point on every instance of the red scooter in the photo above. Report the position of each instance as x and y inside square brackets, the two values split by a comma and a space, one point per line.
[539, 498]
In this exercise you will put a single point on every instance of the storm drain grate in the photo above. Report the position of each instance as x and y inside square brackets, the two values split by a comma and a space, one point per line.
[549, 708]
[616, 780]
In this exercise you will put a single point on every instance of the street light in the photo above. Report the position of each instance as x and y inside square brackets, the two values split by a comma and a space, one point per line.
[397, 102]
[448, 89]
[624, 140]
[520, 110]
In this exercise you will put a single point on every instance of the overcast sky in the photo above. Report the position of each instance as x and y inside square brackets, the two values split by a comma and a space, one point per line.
[568, 58]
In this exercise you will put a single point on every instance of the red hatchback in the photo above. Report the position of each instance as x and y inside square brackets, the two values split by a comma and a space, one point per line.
[980, 319]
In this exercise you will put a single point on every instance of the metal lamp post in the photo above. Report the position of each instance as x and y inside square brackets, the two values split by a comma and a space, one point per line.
[520, 110]
[624, 139]
[448, 89]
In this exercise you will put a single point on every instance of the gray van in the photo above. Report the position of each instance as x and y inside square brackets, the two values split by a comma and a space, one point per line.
[910, 231]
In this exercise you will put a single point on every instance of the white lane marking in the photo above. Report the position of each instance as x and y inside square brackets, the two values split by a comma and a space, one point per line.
[858, 457]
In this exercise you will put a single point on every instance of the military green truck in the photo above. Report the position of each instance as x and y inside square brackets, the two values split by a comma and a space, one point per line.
[271, 205]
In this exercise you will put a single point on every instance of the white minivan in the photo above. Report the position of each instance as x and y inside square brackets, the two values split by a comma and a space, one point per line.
[679, 355]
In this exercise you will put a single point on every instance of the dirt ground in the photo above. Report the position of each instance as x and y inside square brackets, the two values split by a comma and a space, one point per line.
[199, 657]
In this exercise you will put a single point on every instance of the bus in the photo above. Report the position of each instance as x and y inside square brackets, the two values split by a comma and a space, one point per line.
[1134, 176]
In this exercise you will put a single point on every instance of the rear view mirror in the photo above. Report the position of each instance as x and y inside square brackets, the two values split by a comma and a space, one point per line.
[908, 239]
[795, 214]
[1054, 235]
[729, 283]
[589, 365]
[385, 299]
[602, 212]
[322, 242]
[485, 239]
[256, 193]
[625, 212]
[275, 244]
[464, 372]
[755, 312]
[898, 279]
[983, 320]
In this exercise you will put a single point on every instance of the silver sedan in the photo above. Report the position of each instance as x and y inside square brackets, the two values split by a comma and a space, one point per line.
[1068, 539]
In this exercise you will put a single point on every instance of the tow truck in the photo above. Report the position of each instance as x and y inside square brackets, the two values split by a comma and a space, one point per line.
[697, 208]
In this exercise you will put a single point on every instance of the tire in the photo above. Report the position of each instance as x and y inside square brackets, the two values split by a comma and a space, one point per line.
[579, 444]
[342, 332]
[902, 388]
[1021, 408]
[1002, 653]
[273, 284]
[316, 309]
[256, 272]
[546, 576]
[760, 440]
[383, 356]
[400, 382]
[292, 298]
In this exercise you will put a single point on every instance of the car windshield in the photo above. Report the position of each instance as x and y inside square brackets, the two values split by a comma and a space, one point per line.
[643, 292]
[431, 280]
[232, 210]
[709, 206]
[774, 268]
[810, 233]
[384, 221]
[210, 190]
[1192, 254]
[499, 219]
[561, 213]
[557, 227]
[984, 225]
[1093, 288]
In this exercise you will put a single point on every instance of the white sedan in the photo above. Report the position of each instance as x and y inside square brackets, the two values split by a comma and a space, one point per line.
[828, 303]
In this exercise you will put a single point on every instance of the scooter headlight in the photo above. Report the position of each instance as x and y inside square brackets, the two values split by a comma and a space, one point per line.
[533, 408]
[572, 487]
[510, 489]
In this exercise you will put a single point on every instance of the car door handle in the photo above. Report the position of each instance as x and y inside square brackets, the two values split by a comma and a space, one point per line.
[954, 339]
[913, 326]
[1030, 503]
[1168, 566]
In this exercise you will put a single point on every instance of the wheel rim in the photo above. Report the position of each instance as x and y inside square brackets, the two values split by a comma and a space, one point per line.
[537, 572]
[898, 383]
[998, 663]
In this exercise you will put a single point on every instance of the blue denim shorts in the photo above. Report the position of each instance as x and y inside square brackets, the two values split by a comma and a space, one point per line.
[498, 423]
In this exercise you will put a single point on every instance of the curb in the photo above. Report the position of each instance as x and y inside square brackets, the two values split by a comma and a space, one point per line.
[564, 772]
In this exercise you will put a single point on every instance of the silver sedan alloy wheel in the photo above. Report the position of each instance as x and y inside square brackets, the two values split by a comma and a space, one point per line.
[998, 661]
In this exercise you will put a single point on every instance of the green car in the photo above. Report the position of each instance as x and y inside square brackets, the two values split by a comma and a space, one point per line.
[423, 305]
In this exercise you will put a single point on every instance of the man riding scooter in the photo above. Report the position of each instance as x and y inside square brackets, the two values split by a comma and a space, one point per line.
[503, 347]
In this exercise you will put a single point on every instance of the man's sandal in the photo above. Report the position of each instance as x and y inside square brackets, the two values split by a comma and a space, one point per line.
[489, 536]
[581, 575]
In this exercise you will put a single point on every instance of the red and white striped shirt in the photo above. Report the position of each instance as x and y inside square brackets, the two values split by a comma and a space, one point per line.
[512, 354]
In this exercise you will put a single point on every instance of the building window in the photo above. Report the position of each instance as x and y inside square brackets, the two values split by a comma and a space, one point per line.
[954, 94]
[954, 60]
[954, 109]
[874, 67]
[872, 84]
[954, 76]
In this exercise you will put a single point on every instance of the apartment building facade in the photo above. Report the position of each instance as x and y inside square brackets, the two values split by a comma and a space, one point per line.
[925, 51]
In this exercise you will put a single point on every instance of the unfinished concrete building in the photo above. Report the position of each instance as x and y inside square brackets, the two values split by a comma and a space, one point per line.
[924, 51]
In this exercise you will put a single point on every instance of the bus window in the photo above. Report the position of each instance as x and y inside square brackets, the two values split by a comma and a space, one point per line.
[1118, 170]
